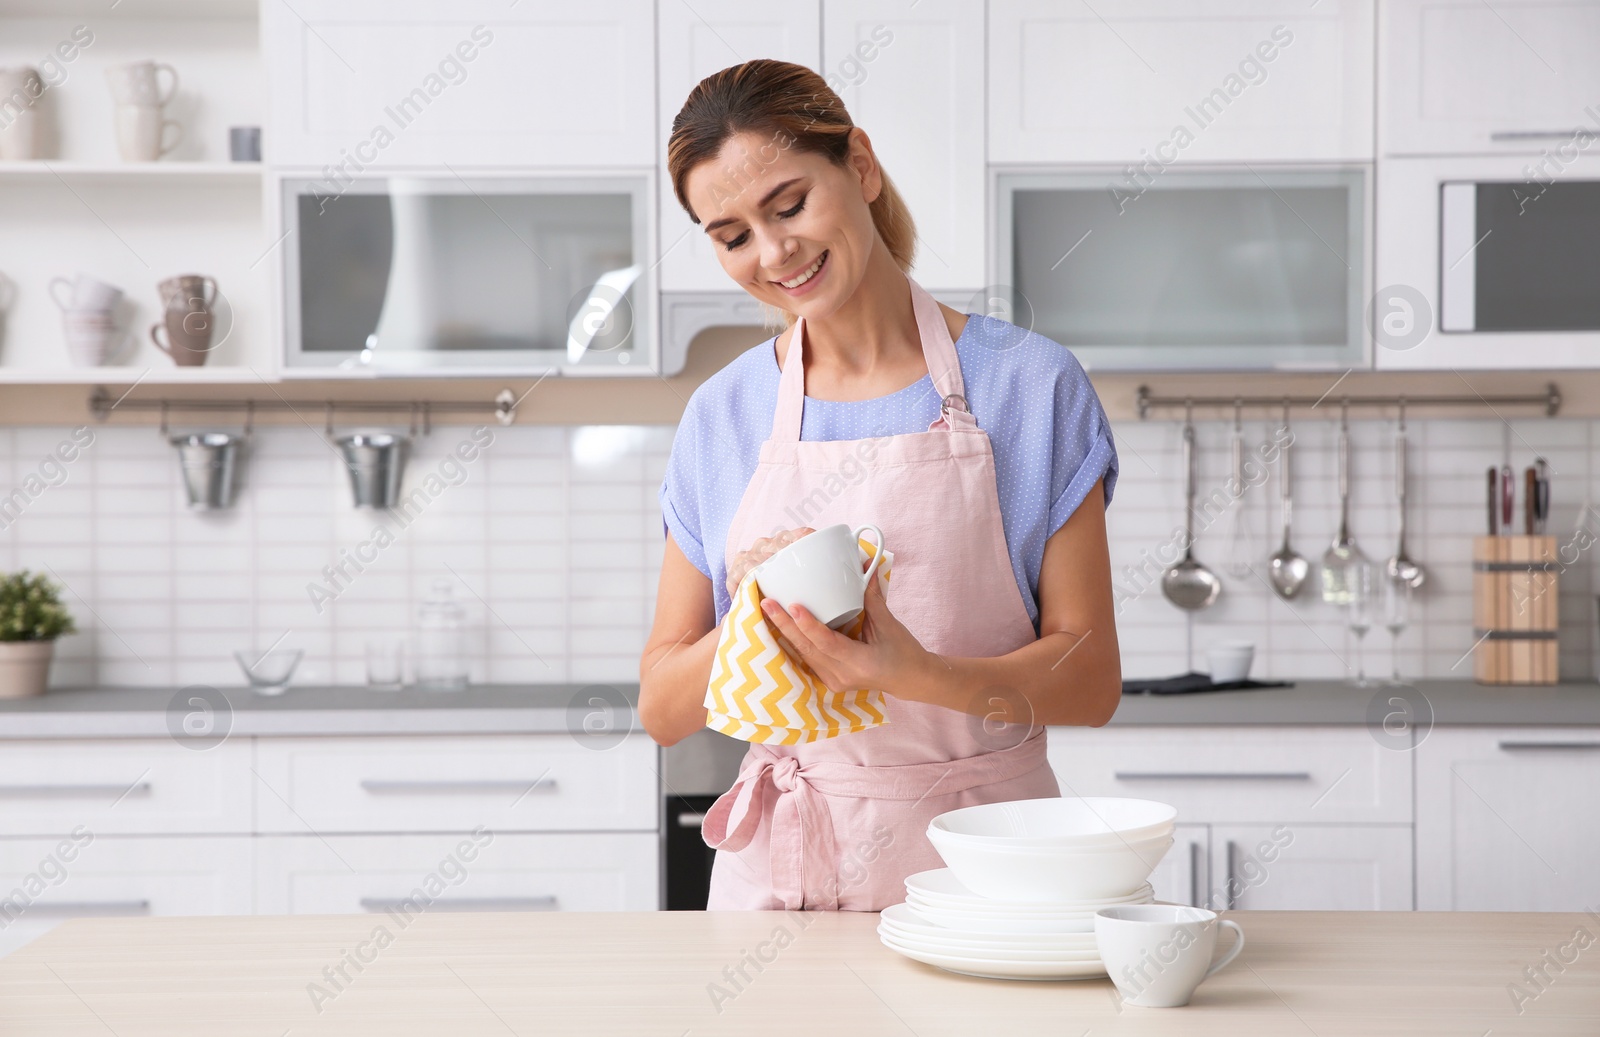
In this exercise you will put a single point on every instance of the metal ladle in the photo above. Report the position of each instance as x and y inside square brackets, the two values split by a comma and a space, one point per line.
[1401, 567]
[1188, 584]
[1342, 555]
[1288, 569]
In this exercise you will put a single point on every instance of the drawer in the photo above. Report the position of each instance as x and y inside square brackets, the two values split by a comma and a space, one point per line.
[506, 783]
[398, 877]
[124, 787]
[1237, 774]
[45, 882]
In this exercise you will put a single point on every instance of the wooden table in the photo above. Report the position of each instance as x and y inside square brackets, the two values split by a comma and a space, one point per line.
[1320, 974]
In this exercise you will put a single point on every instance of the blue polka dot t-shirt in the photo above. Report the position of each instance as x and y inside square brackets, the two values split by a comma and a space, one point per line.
[1049, 434]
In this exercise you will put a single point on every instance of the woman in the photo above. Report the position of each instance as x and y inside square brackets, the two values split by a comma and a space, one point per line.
[877, 405]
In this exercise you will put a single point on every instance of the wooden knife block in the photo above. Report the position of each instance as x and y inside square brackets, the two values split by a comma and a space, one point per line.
[1515, 609]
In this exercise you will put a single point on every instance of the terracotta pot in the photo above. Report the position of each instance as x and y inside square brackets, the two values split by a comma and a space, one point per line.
[24, 668]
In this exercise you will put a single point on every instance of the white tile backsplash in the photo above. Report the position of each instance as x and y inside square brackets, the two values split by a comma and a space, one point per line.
[551, 540]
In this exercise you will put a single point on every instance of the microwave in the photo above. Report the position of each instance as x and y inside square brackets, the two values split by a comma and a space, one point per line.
[1499, 257]
[438, 274]
[1201, 268]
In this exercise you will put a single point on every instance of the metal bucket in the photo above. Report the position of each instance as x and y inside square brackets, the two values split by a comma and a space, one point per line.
[207, 461]
[376, 461]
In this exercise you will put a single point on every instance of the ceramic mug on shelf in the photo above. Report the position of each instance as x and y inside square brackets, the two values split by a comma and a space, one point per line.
[92, 337]
[1157, 954]
[20, 89]
[142, 133]
[192, 291]
[188, 334]
[138, 83]
[822, 571]
[84, 293]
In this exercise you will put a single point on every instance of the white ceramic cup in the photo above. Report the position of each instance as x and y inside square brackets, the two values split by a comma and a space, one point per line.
[1157, 954]
[142, 133]
[92, 337]
[822, 571]
[1230, 661]
[84, 293]
[138, 83]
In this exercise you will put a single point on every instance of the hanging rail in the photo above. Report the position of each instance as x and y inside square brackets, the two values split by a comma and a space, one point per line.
[1550, 400]
[503, 408]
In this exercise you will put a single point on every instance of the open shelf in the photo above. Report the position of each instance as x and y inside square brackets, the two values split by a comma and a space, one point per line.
[184, 174]
[129, 9]
[130, 374]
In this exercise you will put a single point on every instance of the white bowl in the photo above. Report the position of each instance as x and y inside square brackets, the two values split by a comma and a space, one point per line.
[1049, 875]
[1064, 822]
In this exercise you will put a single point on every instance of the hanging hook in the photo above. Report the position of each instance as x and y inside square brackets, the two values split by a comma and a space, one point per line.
[427, 418]
[1286, 412]
[1402, 414]
[1344, 414]
[327, 418]
[1188, 410]
[414, 421]
[164, 406]
[1238, 411]
[249, 418]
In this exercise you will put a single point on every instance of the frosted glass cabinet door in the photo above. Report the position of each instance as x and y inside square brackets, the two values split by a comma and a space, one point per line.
[696, 42]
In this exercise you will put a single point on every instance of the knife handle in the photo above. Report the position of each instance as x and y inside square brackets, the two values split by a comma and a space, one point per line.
[1508, 494]
[1494, 501]
[1530, 501]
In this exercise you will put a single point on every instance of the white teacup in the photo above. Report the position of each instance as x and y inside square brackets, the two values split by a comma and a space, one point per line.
[139, 83]
[1156, 954]
[822, 571]
[84, 293]
[142, 133]
[1230, 661]
[93, 337]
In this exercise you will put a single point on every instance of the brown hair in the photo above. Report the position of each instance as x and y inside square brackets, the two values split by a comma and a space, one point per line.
[797, 109]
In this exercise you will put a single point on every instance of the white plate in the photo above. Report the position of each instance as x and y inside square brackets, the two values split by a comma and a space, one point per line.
[972, 921]
[941, 884]
[982, 950]
[905, 918]
[984, 969]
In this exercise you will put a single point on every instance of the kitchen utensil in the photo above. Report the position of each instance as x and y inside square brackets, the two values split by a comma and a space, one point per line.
[1508, 496]
[1494, 501]
[822, 572]
[1156, 954]
[1052, 875]
[1542, 495]
[84, 293]
[268, 671]
[1069, 822]
[1239, 538]
[1343, 553]
[207, 460]
[142, 132]
[1396, 615]
[376, 461]
[1401, 567]
[1230, 661]
[1188, 584]
[1287, 569]
[138, 83]
[441, 649]
[1360, 610]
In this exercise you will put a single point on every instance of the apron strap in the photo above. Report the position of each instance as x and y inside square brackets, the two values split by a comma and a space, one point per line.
[938, 351]
[803, 849]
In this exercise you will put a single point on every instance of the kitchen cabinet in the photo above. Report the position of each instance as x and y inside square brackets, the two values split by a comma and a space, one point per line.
[1508, 819]
[1183, 876]
[1302, 867]
[400, 876]
[1158, 81]
[913, 78]
[695, 42]
[1464, 77]
[363, 83]
[89, 874]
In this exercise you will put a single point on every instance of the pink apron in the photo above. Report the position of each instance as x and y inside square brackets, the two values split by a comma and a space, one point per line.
[838, 824]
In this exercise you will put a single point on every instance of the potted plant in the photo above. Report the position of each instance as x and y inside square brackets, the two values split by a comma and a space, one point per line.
[31, 618]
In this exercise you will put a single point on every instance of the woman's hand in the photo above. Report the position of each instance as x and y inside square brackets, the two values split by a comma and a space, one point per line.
[759, 552]
[888, 658]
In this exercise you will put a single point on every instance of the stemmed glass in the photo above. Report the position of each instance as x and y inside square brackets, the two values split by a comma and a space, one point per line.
[1361, 611]
[1396, 614]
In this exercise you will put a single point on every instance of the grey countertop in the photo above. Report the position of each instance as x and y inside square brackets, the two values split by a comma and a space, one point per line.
[557, 708]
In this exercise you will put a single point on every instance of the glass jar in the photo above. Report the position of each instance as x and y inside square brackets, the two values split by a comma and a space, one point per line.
[441, 641]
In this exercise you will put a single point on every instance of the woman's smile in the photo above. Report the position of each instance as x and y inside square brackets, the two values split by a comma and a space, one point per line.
[806, 280]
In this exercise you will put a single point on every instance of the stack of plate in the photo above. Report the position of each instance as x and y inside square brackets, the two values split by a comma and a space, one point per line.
[940, 897]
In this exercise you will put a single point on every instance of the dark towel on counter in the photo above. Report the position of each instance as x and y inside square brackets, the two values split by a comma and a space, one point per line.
[1192, 682]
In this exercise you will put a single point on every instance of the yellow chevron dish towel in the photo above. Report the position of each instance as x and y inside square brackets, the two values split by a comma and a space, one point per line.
[758, 694]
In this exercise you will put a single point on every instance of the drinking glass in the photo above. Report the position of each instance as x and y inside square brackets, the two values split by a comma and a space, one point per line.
[1396, 615]
[1359, 613]
[385, 661]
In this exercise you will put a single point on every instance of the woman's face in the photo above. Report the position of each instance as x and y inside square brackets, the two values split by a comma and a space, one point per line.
[790, 227]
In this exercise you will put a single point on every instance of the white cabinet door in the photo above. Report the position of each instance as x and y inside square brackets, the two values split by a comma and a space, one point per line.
[1464, 76]
[695, 42]
[1508, 819]
[44, 882]
[1159, 81]
[124, 786]
[1298, 867]
[912, 77]
[358, 83]
[1182, 877]
[397, 877]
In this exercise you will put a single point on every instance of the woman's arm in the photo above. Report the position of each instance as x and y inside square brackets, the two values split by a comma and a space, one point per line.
[1071, 675]
[676, 665]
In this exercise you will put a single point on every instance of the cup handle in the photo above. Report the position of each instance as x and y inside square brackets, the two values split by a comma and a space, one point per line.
[877, 556]
[172, 89]
[158, 326]
[1233, 952]
[167, 149]
[64, 306]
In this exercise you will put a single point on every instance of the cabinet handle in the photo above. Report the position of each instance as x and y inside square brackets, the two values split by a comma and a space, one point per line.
[1194, 874]
[1227, 886]
[407, 788]
[95, 789]
[688, 820]
[89, 907]
[1512, 747]
[1212, 775]
[545, 903]
[1510, 135]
